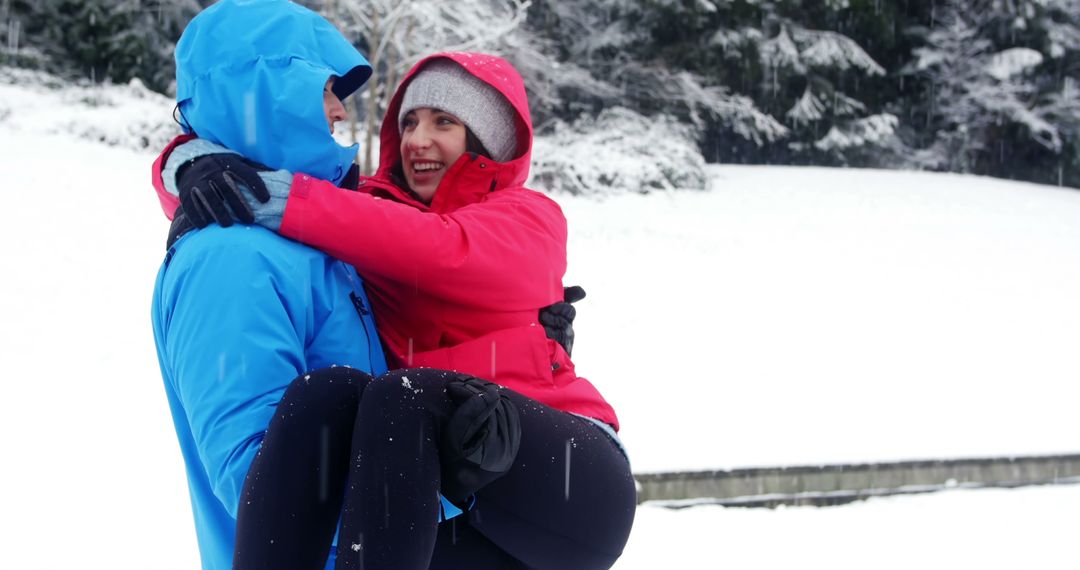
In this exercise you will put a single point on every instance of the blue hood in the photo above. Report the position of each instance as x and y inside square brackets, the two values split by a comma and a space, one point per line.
[250, 76]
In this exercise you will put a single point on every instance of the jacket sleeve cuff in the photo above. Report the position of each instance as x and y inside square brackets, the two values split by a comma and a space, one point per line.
[169, 202]
[293, 224]
[181, 154]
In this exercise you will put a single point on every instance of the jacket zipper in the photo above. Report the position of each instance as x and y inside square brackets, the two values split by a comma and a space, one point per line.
[364, 313]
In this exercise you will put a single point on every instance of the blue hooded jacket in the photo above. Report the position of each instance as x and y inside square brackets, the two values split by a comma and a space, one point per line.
[240, 63]
[239, 312]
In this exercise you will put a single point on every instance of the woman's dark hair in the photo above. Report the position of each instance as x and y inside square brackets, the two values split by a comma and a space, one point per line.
[473, 144]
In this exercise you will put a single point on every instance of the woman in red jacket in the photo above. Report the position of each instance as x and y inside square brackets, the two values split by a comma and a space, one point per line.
[458, 257]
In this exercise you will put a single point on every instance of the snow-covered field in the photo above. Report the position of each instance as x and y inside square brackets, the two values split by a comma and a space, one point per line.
[812, 315]
[987, 529]
[789, 316]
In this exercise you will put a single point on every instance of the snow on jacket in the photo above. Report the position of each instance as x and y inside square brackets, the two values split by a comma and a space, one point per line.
[457, 284]
[239, 312]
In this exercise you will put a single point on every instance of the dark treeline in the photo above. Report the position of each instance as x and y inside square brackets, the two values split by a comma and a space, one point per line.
[100, 40]
[985, 86]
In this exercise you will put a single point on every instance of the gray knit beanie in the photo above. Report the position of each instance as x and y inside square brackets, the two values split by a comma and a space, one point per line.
[445, 85]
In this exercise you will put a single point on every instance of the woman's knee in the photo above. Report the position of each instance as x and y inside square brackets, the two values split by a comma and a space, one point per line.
[325, 390]
[409, 384]
[416, 396]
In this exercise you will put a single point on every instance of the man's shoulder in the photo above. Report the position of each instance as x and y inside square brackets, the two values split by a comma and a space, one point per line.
[255, 241]
[239, 252]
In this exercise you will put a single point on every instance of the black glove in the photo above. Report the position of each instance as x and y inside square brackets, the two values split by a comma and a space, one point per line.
[210, 186]
[558, 319]
[481, 439]
[180, 226]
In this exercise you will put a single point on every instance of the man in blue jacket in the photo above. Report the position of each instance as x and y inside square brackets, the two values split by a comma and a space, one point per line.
[239, 312]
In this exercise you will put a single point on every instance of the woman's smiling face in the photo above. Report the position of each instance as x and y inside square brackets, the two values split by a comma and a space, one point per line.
[432, 140]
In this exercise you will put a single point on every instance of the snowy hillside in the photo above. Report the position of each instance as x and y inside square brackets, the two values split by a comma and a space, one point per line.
[789, 316]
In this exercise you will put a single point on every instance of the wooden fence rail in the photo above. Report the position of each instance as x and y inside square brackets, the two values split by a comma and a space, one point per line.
[838, 484]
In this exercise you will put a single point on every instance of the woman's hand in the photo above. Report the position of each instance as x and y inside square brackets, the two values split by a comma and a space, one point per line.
[211, 189]
[480, 439]
[558, 318]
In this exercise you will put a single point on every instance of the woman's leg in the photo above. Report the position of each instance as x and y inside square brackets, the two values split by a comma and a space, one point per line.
[291, 500]
[460, 545]
[569, 501]
[390, 517]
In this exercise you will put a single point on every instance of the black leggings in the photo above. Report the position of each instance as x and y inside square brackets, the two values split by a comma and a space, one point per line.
[344, 444]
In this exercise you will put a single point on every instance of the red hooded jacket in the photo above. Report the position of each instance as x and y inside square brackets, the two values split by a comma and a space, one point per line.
[456, 284]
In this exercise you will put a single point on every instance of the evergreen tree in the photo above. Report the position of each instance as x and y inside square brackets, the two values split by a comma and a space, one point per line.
[988, 87]
[997, 83]
[789, 61]
[22, 24]
[623, 44]
[98, 39]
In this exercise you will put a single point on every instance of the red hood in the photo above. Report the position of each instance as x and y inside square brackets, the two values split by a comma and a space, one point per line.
[497, 73]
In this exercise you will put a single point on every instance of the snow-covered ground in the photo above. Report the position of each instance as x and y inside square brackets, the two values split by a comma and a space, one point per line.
[986, 529]
[812, 315]
[789, 316]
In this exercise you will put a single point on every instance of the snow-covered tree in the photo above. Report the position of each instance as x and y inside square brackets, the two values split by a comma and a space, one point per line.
[989, 87]
[980, 93]
[621, 44]
[578, 51]
[867, 141]
[792, 61]
[555, 88]
[805, 69]
[618, 151]
[1063, 108]
[1053, 28]
[17, 45]
[687, 95]
[96, 39]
